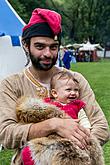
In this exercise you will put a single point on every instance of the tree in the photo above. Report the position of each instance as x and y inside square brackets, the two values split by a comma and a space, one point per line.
[81, 19]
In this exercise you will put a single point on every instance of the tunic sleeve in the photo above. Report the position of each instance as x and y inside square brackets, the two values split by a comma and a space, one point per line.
[12, 134]
[84, 121]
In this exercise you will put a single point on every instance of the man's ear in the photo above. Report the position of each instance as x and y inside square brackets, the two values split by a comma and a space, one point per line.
[25, 47]
[54, 93]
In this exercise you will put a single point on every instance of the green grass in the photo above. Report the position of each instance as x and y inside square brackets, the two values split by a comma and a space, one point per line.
[5, 157]
[98, 75]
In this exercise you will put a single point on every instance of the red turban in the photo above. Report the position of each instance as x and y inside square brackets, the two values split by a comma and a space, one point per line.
[43, 22]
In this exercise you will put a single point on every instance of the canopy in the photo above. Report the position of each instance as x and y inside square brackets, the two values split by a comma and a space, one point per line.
[10, 23]
[12, 56]
[89, 47]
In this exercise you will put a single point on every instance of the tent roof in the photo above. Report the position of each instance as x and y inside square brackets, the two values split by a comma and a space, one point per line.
[10, 22]
[89, 47]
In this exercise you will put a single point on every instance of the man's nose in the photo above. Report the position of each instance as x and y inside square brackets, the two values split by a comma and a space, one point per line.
[47, 51]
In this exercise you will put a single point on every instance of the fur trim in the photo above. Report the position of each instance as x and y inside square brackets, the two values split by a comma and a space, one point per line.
[54, 150]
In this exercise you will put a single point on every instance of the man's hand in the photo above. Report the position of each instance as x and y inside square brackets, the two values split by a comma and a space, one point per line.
[70, 129]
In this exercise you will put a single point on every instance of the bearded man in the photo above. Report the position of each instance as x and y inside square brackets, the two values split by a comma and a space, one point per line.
[41, 39]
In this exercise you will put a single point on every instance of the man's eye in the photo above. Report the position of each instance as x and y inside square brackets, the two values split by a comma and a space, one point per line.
[54, 47]
[39, 47]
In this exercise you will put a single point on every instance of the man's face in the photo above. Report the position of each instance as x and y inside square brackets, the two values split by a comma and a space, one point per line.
[43, 52]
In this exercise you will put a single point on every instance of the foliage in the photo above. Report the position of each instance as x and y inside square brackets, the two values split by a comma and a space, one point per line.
[25, 9]
[20, 8]
[82, 19]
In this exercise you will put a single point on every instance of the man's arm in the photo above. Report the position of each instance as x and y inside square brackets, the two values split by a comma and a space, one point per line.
[67, 128]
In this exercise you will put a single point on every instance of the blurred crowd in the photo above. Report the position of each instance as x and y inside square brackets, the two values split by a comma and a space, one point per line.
[67, 55]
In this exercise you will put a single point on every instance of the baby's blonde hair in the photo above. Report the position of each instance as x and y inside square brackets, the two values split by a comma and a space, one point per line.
[61, 76]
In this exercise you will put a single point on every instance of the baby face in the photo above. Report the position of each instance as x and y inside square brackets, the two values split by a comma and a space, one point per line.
[66, 91]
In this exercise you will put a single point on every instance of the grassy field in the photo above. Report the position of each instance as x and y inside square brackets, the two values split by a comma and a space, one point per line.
[98, 75]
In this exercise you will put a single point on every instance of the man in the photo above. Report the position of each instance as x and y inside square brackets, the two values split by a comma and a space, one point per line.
[41, 40]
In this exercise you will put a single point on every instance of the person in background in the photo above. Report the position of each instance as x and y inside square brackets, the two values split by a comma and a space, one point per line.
[59, 62]
[41, 39]
[66, 58]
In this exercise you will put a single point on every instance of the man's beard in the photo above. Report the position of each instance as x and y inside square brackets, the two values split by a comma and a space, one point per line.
[36, 62]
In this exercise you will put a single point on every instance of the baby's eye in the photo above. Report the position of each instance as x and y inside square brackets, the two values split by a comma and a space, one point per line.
[76, 89]
[68, 89]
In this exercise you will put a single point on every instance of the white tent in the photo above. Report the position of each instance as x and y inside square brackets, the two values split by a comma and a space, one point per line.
[12, 59]
[89, 47]
[12, 56]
